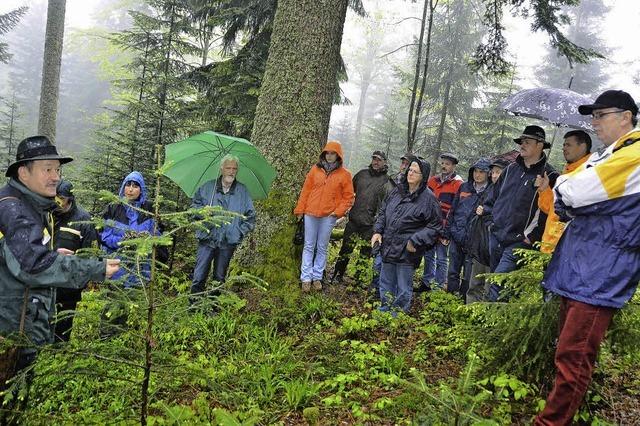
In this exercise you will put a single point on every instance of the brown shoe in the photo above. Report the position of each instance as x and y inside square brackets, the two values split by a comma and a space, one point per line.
[306, 286]
[317, 285]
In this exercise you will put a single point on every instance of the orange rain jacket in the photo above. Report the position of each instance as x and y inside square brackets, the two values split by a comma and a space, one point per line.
[554, 228]
[325, 193]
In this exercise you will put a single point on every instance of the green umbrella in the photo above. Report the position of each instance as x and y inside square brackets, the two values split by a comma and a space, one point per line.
[196, 160]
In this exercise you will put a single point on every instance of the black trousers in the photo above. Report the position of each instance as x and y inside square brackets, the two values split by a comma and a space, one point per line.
[66, 300]
[348, 244]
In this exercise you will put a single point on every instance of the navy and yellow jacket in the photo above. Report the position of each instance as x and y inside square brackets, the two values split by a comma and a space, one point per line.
[597, 260]
[27, 260]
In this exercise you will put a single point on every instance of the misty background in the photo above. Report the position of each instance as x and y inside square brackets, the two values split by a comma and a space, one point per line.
[379, 51]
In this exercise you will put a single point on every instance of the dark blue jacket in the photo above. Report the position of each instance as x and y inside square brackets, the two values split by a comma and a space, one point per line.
[121, 218]
[408, 216]
[464, 205]
[514, 202]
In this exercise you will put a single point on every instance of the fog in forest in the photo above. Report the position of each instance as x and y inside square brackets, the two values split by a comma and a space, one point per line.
[379, 50]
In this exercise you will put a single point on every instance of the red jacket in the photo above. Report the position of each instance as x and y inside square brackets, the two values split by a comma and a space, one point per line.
[325, 193]
[445, 191]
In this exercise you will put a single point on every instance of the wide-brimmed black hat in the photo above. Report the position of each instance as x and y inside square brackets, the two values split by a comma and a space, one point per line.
[611, 99]
[533, 132]
[449, 156]
[35, 148]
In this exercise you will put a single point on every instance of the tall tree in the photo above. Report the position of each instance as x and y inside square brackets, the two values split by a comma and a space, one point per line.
[421, 74]
[588, 78]
[547, 16]
[294, 107]
[7, 22]
[54, 38]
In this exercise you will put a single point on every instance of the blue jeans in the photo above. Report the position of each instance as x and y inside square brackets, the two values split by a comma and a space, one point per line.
[508, 263]
[221, 257]
[458, 262]
[396, 286]
[317, 233]
[435, 265]
[375, 281]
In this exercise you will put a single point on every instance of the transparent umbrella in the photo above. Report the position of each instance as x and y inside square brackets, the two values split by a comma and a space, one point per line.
[556, 106]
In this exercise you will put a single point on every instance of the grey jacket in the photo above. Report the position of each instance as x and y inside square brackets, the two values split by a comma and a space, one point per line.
[237, 200]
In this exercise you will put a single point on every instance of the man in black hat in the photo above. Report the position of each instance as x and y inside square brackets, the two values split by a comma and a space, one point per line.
[73, 230]
[30, 267]
[517, 220]
[602, 199]
[371, 185]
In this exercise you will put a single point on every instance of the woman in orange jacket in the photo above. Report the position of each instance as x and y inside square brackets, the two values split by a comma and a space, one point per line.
[327, 194]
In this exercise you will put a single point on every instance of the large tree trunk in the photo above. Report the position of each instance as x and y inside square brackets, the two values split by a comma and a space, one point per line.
[51, 68]
[292, 117]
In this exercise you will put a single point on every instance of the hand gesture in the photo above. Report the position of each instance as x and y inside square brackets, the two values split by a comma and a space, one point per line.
[542, 182]
[377, 238]
[479, 210]
[65, 252]
[410, 247]
[113, 265]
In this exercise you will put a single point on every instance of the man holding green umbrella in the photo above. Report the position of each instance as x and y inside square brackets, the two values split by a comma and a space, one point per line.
[218, 243]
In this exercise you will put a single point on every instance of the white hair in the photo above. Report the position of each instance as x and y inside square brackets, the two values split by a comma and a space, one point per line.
[229, 158]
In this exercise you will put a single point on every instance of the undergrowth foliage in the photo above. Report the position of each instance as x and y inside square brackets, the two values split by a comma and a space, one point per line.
[272, 355]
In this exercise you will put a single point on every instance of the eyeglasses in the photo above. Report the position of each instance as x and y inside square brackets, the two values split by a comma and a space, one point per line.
[414, 172]
[599, 115]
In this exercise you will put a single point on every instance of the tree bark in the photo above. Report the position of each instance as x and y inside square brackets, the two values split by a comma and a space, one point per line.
[416, 79]
[50, 88]
[292, 116]
[425, 72]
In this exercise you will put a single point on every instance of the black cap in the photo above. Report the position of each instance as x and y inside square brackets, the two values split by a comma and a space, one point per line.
[406, 156]
[449, 156]
[500, 162]
[35, 148]
[611, 99]
[65, 189]
[380, 155]
[533, 132]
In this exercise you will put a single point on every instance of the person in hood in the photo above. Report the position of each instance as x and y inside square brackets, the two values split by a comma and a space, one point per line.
[73, 231]
[518, 222]
[327, 195]
[409, 223]
[218, 243]
[31, 269]
[576, 150]
[480, 236]
[371, 186]
[595, 268]
[124, 221]
[470, 195]
[445, 186]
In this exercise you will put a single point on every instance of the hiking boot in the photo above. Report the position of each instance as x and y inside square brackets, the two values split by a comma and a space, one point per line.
[306, 286]
[317, 285]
